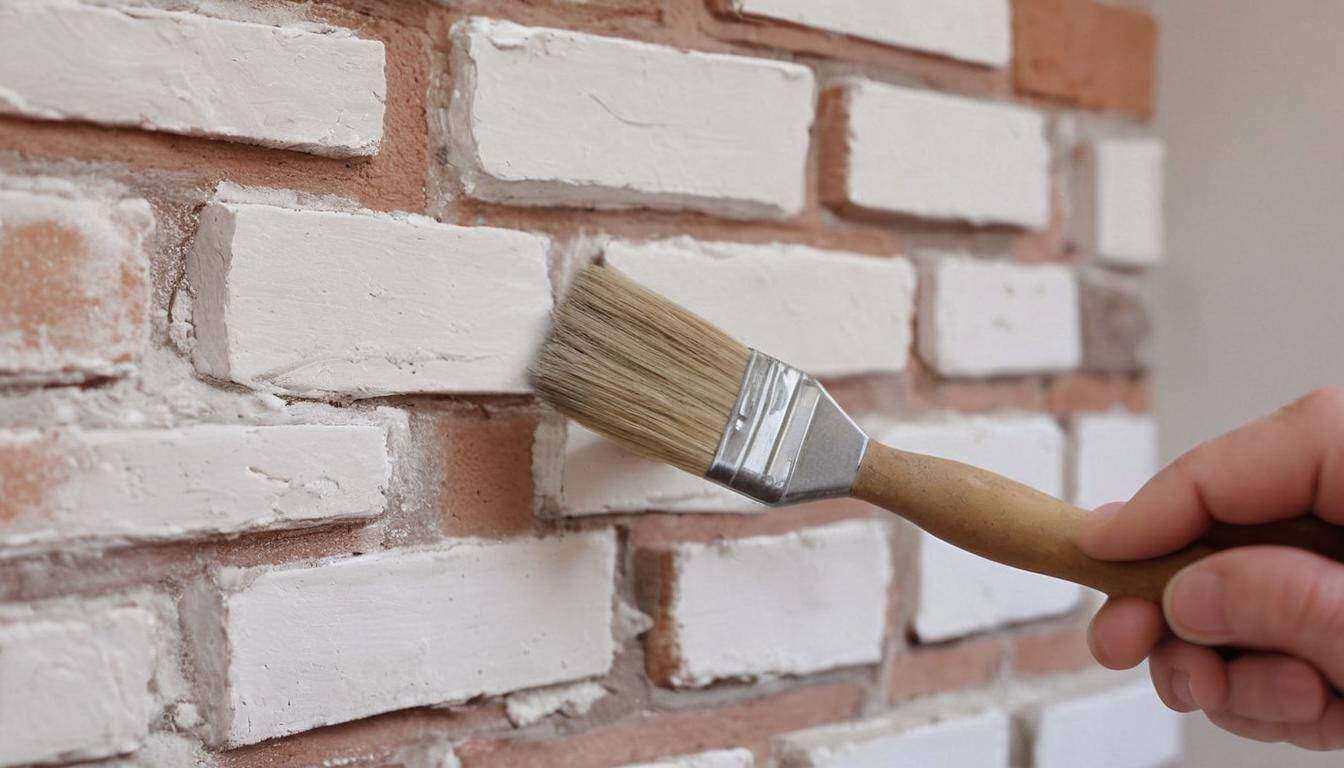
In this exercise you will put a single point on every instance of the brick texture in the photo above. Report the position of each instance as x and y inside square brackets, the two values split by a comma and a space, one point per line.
[277, 86]
[74, 284]
[1085, 52]
[275, 486]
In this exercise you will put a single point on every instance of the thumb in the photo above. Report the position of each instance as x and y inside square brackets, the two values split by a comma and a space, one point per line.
[1268, 598]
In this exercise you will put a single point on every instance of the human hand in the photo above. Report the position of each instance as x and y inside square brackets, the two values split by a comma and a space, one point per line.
[1283, 607]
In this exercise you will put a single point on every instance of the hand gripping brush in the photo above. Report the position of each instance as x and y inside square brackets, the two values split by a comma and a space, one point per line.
[635, 367]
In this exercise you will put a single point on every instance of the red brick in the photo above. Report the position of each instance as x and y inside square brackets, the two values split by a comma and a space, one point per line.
[648, 736]
[1059, 650]
[1086, 53]
[74, 285]
[1099, 392]
[937, 669]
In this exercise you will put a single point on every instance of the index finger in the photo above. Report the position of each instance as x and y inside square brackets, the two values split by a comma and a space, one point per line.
[1286, 464]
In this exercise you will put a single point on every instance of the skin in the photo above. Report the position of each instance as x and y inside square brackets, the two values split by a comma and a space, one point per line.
[1281, 608]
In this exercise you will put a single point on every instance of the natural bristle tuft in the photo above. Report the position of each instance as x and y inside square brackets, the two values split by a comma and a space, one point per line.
[631, 365]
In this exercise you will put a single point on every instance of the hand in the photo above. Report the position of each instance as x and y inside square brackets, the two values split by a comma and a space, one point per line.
[1284, 607]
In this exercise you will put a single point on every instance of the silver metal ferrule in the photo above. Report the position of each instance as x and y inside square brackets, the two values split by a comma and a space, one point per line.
[787, 440]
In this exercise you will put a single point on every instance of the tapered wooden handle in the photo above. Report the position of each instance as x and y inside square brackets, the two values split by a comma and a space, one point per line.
[1007, 522]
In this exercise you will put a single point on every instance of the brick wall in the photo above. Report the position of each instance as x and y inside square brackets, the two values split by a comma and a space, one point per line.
[274, 491]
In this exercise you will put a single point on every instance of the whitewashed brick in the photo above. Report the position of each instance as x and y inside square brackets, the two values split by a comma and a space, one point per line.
[74, 281]
[118, 485]
[1124, 727]
[283, 650]
[600, 477]
[75, 688]
[827, 312]
[795, 603]
[1129, 201]
[321, 303]
[552, 117]
[1114, 454]
[931, 155]
[979, 739]
[319, 91]
[719, 758]
[983, 318]
[961, 593]
[979, 31]
[569, 699]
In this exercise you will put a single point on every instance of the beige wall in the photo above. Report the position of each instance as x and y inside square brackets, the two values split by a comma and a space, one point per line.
[1251, 302]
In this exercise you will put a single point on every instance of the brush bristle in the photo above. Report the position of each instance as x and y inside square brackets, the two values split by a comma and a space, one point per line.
[635, 367]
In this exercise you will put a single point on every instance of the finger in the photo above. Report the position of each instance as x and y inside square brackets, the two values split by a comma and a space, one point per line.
[1277, 467]
[1327, 732]
[1124, 632]
[1188, 677]
[1276, 689]
[1265, 598]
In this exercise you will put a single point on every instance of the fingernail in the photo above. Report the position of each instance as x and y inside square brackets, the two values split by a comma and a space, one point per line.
[1194, 605]
[1180, 689]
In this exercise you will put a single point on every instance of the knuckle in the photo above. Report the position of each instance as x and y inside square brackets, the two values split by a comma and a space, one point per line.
[1321, 405]
[1313, 600]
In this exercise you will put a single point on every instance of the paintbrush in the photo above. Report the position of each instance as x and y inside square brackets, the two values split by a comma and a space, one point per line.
[641, 370]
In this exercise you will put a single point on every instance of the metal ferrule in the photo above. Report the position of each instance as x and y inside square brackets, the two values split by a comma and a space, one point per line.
[787, 440]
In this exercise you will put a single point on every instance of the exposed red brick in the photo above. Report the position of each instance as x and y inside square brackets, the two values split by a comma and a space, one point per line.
[1058, 650]
[1099, 392]
[652, 735]
[652, 530]
[922, 671]
[485, 462]
[74, 287]
[29, 471]
[1085, 52]
[928, 391]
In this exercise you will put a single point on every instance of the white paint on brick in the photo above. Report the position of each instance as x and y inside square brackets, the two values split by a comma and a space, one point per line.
[719, 758]
[105, 279]
[600, 477]
[552, 117]
[1124, 727]
[75, 688]
[978, 31]
[304, 647]
[1129, 200]
[119, 485]
[795, 603]
[960, 593]
[323, 303]
[569, 699]
[827, 312]
[290, 87]
[1114, 454]
[984, 318]
[952, 738]
[931, 155]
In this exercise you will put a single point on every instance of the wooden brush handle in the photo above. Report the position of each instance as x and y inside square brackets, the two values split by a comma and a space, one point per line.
[1007, 522]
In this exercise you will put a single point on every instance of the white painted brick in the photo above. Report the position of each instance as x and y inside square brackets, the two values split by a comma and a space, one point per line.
[827, 312]
[1129, 201]
[984, 318]
[795, 603]
[75, 688]
[321, 303]
[719, 758]
[74, 282]
[319, 91]
[931, 155]
[978, 31]
[600, 477]
[979, 739]
[960, 593]
[118, 485]
[1125, 727]
[1114, 454]
[552, 117]
[303, 647]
